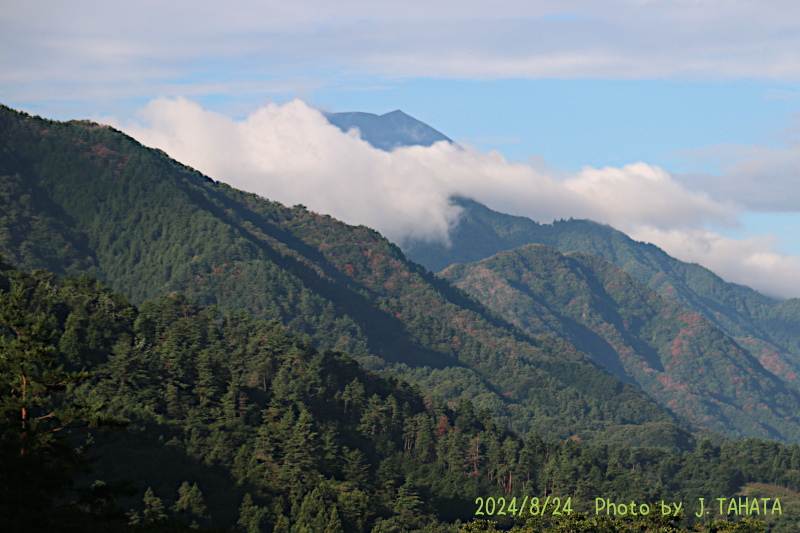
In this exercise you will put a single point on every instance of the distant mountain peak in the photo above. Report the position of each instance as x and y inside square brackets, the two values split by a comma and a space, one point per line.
[388, 131]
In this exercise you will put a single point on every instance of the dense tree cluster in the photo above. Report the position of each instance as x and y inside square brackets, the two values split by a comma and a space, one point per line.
[263, 370]
[236, 421]
[672, 353]
[147, 226]
[767, 328]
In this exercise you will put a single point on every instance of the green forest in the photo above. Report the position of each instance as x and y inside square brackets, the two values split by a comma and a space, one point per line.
[169, 415]
[180, 355]
[147, 226]
[768, 328]
[674, 354]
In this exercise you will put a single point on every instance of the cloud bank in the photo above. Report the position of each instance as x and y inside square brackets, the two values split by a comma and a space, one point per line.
[753, 262]
[290, 153]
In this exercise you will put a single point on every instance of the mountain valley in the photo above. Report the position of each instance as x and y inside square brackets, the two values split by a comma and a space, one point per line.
[311, 374]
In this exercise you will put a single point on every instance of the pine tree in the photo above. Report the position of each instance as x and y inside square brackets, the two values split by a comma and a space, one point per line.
[474, 457]
[407, 505]
[355, 468]
[153, 507]
[310, 516]
[35, 461]
[353, 393]
[251, 516]
[334, 523]
[241, 465]
[191, 505]
[301, 450]
[231, 398]
[424, 445]
[282, 524]
[205, 388]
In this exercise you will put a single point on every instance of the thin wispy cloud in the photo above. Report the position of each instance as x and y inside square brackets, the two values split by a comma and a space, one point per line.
[150, 43]
[758, 178]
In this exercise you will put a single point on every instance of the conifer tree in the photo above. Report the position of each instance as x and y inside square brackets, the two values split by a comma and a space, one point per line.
[240, 465]
[310, 516]
[407, 505]
[191, 505]
[35, 462]
[355, 468]
[282, 524]
[231, 399]
[353, 393]
[153, 507]
[251, 516]
[334, 523]
[425, 446]
[301, 450]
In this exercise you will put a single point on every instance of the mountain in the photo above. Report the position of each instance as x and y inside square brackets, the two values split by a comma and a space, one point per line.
[80, 197]
[767, 328]
[672, 353]
[387, 131]
[233, 421]
[227, 356]
[230, 409]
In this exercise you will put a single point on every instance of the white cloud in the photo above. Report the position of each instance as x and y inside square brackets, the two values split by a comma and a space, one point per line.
[754, 262]
[291, 153]
[640, 194]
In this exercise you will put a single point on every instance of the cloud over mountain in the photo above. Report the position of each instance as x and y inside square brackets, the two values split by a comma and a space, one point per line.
[292, 154]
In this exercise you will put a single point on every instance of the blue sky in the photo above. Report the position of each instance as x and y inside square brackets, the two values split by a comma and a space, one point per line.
[573, 123]
[706, 91]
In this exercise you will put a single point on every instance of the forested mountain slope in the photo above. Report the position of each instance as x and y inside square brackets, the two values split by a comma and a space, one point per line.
[261, 428]
[235, 421]
[769, 329]
[146, 225]
[672, 353]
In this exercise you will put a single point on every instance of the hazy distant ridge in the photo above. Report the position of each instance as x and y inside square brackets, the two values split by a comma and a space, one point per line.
[388, 131]
[768, 329]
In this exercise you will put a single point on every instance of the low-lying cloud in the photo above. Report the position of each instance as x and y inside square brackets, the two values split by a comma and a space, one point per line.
[753, 261]
[290, 153]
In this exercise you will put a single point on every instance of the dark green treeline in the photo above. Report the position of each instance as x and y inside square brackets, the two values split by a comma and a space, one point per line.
[81, 198]
[236, 422]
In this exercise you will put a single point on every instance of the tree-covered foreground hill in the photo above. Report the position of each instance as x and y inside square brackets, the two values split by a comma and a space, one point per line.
[236, 423]
[767, 328]
[78, 197]
[672, 353]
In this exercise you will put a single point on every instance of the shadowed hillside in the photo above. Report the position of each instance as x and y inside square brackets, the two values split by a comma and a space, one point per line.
[147, 226]
[768, 329]
[672, 353]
